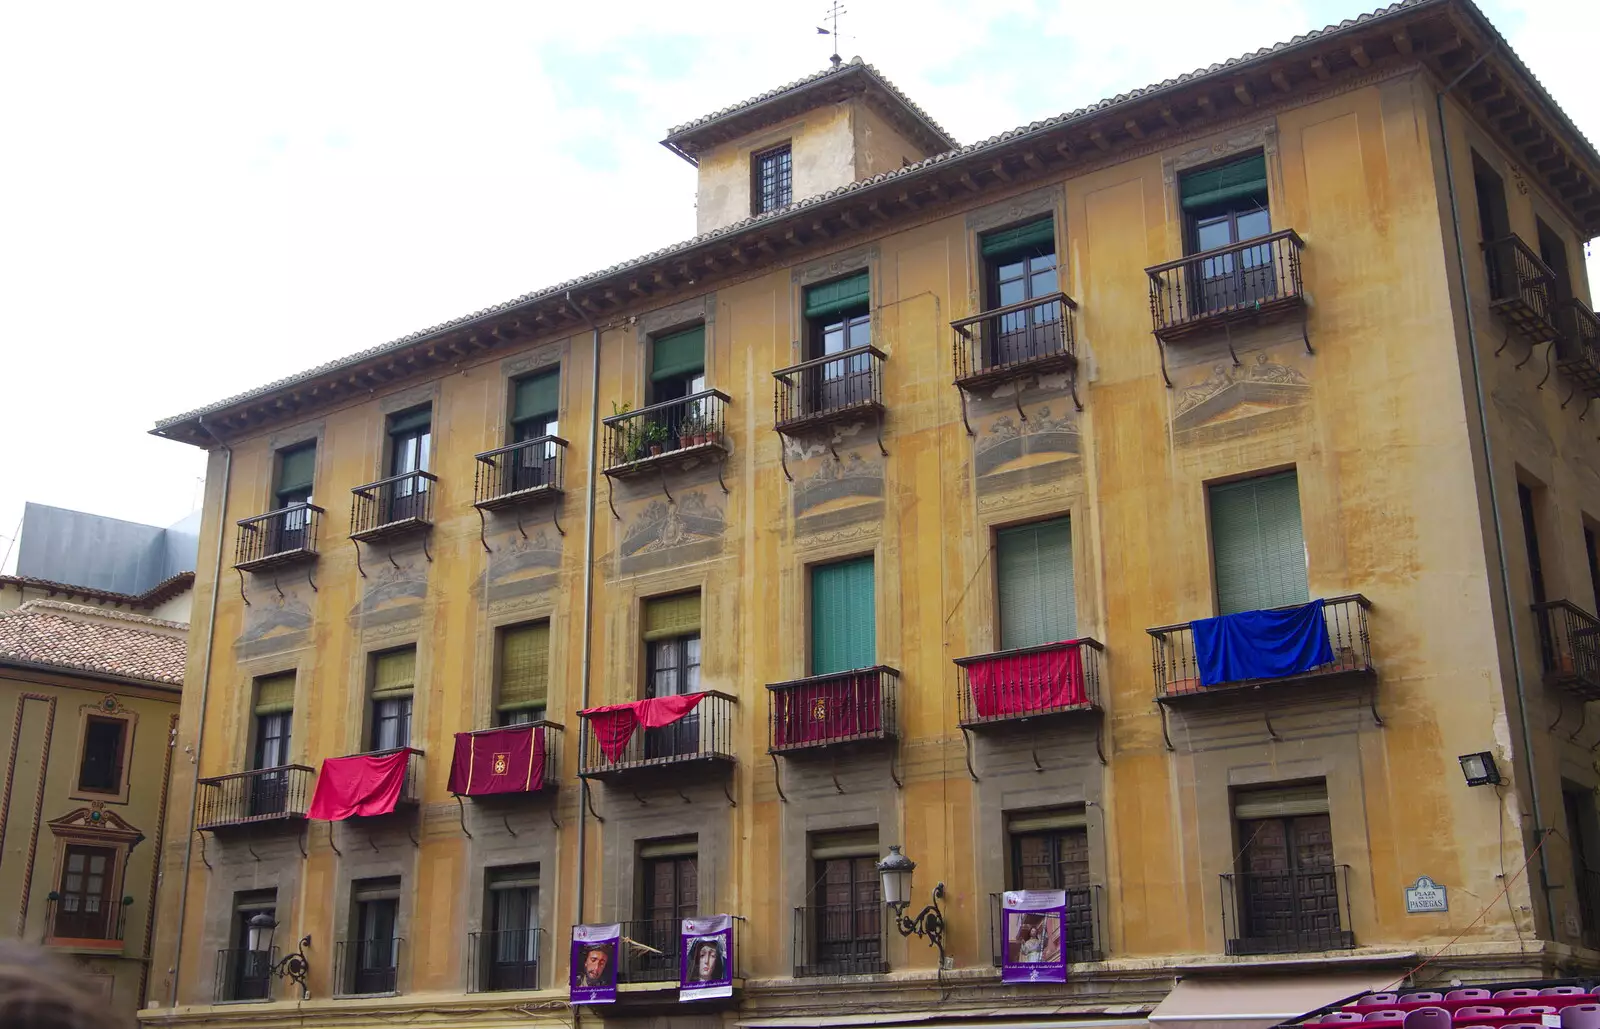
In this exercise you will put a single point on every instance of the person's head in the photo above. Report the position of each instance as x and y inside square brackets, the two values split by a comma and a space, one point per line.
[1024, 932]
[705, 962]
[37, 992]
[595, 960]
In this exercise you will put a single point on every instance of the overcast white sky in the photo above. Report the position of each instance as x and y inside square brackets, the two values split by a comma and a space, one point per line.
[196, 199]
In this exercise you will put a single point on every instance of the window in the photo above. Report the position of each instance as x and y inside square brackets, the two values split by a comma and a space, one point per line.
[1494, 223]
[838, 320]
[1530, 539]
[1225, 204]
[1049, 850]
[247, 973]
[1287, 895]
[672, 668]
[1257, 548]
[524, 670]
[1034, 568]
[1553, 252]
[771, 179]
[376, 946]
[511, 942]
[1020, 266]
[845, 902]
[669, 890]
[1583, 839]
[844, 633]
[535, 400]
[274, 711]
[394, 680]
[410, 444]
[105, 742]
[677, 364]
[83, 909]
[296, 467]
[1591, 548]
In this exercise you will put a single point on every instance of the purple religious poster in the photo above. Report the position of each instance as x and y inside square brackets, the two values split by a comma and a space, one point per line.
[1034, 928]
[594, 963]
[705, 958]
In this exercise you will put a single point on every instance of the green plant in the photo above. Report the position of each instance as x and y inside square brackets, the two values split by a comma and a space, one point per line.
[655, 435]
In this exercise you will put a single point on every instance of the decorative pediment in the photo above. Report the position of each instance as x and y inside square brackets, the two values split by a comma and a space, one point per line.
[96, 825]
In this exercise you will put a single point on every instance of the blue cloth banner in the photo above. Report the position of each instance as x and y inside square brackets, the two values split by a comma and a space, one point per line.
[1261, 644]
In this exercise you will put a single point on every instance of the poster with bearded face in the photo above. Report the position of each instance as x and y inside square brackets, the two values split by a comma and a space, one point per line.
[594, 963]
[705, 948]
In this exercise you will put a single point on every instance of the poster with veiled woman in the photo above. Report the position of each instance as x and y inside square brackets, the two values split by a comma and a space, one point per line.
[1035, 924]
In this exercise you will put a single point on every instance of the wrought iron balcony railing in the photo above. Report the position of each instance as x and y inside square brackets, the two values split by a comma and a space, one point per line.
[244, 975]
[1578, 346]
[823, 710]
[1569, 646]
[278, 538]
[520, 472]
[1226, 284]
[840, 939]
[259, 795]
[703, 736]
[506, 959]
[1083, 931]
[86, 921]
[1289, 912]
[828, 389]
[547, 735]
[365, 967]
[1177, 668]
[664, 433]
[1029, 338]
[392, 506]
[1055, 678]
[1521, 288]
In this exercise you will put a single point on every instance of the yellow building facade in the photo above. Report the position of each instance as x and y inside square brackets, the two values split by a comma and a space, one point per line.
[925, 469]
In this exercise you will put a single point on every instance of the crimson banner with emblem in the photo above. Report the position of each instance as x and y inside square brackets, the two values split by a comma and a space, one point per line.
[508, 760]
[834, 708]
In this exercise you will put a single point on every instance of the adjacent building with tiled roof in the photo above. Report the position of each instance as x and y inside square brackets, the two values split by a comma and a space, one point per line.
[117, 645]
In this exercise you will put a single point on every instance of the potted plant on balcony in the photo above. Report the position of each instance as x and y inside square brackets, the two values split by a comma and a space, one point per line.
[693, 429]
[655, 438]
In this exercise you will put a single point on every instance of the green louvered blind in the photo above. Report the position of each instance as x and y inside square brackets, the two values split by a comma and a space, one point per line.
[394, 673]
[524, 667]
[1037, 600]
[296, 467]
[275, 694]
[536, 396]
[843, 627]
[1018, 237]
[667, 618]
[678, 354]
[838, 295]
[1223, 182]
[1257, 546]
[412, 420]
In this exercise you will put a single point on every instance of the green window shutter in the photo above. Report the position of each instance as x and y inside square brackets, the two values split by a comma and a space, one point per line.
[537, 396]
[1018, 237]
[1224, 182]
[838, 295]
[524, 667]
[296, 467]
[412, 420]
[394, 673]
[275, 694]
[677, 354]
[666, 618]
[1257, 546]
[1038, 602]
[843, 627]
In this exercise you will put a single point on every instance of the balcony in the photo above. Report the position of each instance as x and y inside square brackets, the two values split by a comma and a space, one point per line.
[1030, 682]
[666, 435]
[1521, 288]
[244, 975]
[364, 968]
[840, 939]
[278, 538]
[393, 506]
[826, 390]
[1298, 912]
[1578, 346]
[85, 922]
[260, 796]
[826, 710]
[1177, 669]
[1034, 337]
[1215, 288]
[520, 473]
[547, 774]
[505, 960]
[1569, 646]
[649, 951]
[701, 739]
[1084, 930]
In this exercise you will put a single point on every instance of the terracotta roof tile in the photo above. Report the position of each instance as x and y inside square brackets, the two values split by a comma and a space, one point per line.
[88, 639]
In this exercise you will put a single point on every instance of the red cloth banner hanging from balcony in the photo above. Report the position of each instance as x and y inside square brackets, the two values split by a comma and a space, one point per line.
[509, 760]
[1042, 679]
[614, 723]
[835, 708]
[362, 785]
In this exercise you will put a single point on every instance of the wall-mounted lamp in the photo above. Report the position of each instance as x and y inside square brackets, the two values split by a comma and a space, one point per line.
[895, 872]
[294, 967]
[1480, 769]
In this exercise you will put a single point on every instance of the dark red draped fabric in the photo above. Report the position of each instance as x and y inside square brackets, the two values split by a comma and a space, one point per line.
[614, 723]
[835, 708]
[1040, 680]
[509, 760]
[362, 785]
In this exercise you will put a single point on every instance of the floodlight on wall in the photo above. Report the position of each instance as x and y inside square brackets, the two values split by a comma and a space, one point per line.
[1480, 769]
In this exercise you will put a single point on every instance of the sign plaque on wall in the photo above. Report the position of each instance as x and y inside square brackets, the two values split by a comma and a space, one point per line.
[1425, 897]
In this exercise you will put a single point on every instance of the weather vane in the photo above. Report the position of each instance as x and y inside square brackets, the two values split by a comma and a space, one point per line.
[832, 16]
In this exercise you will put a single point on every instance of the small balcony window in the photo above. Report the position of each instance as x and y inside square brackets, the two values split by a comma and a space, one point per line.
[1287, 894]
[506, 953]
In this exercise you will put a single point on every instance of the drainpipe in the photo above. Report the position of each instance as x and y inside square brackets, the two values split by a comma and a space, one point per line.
[205, 694]
[588, 587]
[1494, 502]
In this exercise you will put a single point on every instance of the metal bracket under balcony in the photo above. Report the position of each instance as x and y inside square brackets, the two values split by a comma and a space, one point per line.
[702, 739]
[1034, 337]
[1577, 348]
[1218, 288]
[259, 797]
[1569, 647]
[393, 506]
[819, 711]
[1521, 289]
[278, 539]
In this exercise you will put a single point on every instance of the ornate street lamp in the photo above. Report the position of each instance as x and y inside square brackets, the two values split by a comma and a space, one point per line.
[294, 967]
[895, 872]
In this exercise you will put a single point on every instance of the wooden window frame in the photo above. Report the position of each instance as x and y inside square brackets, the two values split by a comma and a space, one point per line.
[757, 159]
[108, 710]
[93, 827]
